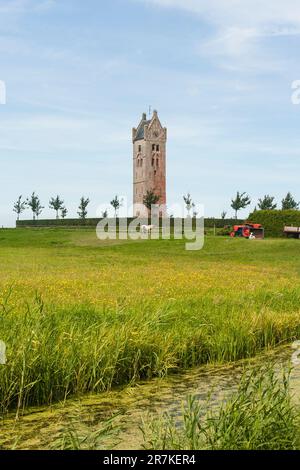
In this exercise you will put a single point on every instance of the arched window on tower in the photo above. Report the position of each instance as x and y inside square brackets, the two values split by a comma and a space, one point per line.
[157, 148]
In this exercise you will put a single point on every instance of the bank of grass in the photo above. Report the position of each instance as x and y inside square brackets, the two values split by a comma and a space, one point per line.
[53, 354]
[261, 415]
[82, 316]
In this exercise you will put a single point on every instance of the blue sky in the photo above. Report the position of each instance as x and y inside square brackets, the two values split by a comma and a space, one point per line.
[80, 74]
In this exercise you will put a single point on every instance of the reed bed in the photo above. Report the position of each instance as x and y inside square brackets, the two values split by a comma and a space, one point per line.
[261, 415]
[53, 353]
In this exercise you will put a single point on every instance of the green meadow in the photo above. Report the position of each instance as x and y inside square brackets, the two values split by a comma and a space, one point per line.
[79, 315]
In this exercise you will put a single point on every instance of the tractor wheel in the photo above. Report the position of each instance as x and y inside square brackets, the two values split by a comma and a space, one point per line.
[246, 233]
[232, 234]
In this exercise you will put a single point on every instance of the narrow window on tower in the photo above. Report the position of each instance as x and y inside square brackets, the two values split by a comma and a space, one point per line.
[153, 148]
[157, 148]
[140, 148]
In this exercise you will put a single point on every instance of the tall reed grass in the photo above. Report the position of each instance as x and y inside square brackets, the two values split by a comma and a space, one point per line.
[259, 416]
[53, 352]
[75, 436]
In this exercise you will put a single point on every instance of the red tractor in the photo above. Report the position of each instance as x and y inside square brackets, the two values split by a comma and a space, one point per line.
[248, 231]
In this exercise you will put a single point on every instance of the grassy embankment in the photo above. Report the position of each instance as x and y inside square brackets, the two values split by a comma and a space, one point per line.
[261, 415]
[80, 315]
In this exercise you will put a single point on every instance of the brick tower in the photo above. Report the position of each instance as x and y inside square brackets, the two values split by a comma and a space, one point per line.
[149, 162]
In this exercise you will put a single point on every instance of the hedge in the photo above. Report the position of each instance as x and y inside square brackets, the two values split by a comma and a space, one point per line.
[92, 223]
[221, 223]
[54, 223]
[275, 221]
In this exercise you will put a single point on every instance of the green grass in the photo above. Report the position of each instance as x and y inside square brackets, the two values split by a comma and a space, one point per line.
[259, 416]
[81, 316]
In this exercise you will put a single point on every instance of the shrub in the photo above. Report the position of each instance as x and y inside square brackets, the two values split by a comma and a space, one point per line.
[221, 223]
[275, 220]
[225, 232]
[92, 223]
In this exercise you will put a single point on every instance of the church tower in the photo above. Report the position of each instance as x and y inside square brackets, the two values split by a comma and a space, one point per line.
[149, 162]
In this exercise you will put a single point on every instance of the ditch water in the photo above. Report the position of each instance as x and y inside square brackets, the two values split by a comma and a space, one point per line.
[40, 427]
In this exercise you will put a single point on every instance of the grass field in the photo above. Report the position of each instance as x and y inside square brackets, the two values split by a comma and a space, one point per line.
[81, 315]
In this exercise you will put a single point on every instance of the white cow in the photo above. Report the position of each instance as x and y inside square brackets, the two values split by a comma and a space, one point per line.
[147, 228]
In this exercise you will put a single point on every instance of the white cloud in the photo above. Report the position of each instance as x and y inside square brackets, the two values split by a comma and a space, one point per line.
[45, 133]
[245, 13]
[20, 6]
[234, 42]
[12, 12]
[240, 27]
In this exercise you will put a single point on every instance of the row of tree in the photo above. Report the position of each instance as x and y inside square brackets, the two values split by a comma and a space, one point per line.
[267, 203]
[241, 201]
[58, 205]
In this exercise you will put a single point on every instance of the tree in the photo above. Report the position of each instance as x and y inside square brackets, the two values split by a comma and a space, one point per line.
[19, 207]
[35, 205]
[241, 201]
[116, 203]
[83, 208]
[105, 214]
[150, 199]
[188, 203]
[64, 212]
[289, 202]
[223, 215]
[267, 203]
[57, 204]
